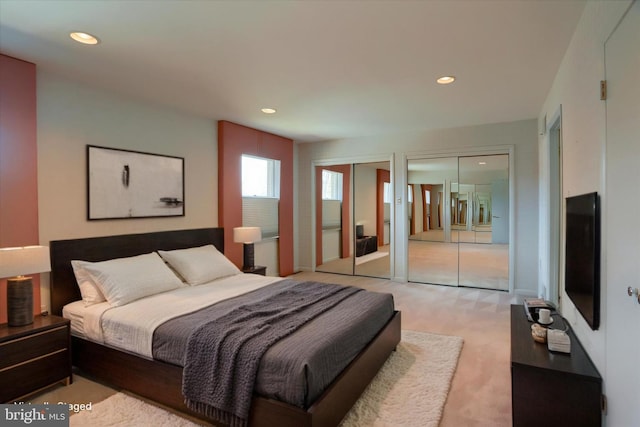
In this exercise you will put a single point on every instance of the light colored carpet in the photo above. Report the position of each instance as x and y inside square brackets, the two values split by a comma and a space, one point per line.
[370, 257]
[124, 410]
[410, 390]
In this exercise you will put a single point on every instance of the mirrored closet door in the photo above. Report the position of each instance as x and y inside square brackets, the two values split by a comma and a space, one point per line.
[353, 223]
[459, 221]
[433, 250]
[372, 198]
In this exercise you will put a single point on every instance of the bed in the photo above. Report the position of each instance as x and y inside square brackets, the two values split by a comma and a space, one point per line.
[161, 381]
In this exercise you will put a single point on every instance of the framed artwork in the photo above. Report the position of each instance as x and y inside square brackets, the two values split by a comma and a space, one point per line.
[132, 184]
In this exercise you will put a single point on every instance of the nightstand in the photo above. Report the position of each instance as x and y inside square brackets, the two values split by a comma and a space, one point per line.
[257, 269]
[34, 356]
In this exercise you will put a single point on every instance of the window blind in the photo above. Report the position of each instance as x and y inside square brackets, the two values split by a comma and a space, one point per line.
[261, 212]
[331, 214]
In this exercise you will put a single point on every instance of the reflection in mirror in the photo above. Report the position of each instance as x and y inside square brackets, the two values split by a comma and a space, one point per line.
[484, 249]
[333, 211]
[459, 230]
[433, 253]
[372, 198]
[364, 230]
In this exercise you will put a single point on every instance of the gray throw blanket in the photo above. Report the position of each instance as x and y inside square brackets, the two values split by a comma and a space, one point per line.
[223, 355]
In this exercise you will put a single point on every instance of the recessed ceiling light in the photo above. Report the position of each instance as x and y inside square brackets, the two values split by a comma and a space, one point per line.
[445, 80]
[84, 38]
[268, 110]
[482, 163]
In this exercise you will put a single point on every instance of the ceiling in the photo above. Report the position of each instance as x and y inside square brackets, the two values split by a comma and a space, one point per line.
[332, 69]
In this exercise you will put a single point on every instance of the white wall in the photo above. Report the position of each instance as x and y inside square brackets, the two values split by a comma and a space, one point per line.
[266, 254]
[71, 115]
[584, 166]
[522, 135]
[577, 89]
[365, 198]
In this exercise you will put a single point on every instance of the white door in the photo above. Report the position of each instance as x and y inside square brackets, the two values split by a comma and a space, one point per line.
[621, 246]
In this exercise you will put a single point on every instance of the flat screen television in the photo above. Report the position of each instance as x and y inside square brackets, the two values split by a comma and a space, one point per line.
[582, 256]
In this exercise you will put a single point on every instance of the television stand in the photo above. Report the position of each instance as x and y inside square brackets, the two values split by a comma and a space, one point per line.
[551, 387]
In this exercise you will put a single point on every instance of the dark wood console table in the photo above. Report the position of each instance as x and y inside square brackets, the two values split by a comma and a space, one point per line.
[551, 388]
[366, 245]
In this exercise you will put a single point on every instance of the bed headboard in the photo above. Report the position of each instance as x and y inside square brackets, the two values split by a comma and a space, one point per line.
[64, 288]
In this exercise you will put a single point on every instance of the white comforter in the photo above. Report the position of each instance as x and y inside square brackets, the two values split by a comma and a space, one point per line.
[130, 327]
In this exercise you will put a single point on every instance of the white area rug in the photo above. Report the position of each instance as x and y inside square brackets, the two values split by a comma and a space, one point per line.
[412, 386]
[410, 390]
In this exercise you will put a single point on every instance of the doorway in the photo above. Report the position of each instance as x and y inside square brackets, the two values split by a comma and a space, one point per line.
[621, 242]
[353, 231]
[459, 221]
[555, 212]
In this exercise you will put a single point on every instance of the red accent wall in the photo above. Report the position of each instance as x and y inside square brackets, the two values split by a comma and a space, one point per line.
[346, 203]
[412, 225]
[233, 141]
[382, 176]
[425, 218]
[18, 164]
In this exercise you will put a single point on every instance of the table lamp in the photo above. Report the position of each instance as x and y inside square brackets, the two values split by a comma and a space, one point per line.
[15, 263]
[248, 236]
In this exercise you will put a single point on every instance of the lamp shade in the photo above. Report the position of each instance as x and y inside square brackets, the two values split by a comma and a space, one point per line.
[247, 234]
[24, 260]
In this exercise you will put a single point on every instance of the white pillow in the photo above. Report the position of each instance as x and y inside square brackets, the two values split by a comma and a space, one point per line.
[200, 265]
[123, 280]
[91, 294]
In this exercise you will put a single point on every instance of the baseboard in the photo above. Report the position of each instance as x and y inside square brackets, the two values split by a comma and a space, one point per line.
[521, 294]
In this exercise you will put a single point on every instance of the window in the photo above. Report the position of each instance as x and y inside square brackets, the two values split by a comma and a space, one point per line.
[387, 192]
[260, 177]
[331, 185]
[261, 194]
[409, 193]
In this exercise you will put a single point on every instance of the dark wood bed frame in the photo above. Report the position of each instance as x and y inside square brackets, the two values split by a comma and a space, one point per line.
[162, 382]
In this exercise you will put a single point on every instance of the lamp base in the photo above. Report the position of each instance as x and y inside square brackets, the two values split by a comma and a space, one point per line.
[248, 258]
[19, 301]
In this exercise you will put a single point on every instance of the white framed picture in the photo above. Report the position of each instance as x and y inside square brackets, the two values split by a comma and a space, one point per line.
[133, 184]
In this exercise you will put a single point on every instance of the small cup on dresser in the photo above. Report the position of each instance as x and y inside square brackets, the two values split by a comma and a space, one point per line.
[544, 316]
